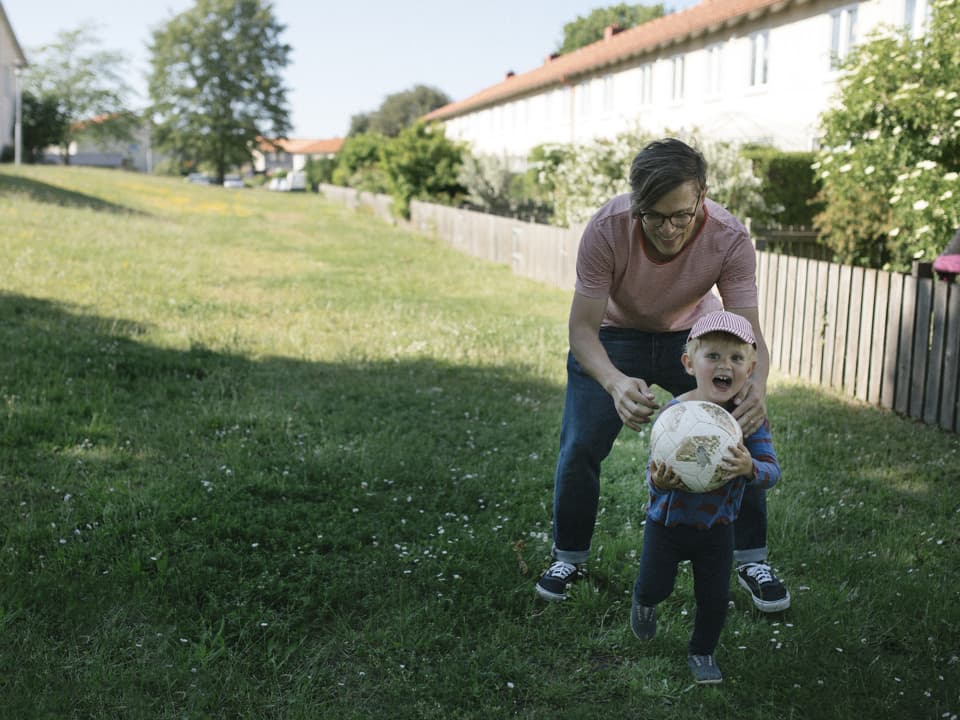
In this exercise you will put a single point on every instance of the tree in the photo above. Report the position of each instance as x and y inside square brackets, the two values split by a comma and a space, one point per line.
[216, 82]
[891, 148]
[44, 124]
[590, 28]
[358, 163]
[83, 82]
[421, 162]
[398, 111]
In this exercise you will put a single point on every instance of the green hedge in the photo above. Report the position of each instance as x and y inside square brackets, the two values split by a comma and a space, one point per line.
[788, 182]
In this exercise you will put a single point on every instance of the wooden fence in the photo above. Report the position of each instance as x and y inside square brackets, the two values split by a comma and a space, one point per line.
[888, 339]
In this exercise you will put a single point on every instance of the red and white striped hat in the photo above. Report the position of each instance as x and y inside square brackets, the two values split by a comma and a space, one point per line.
[723, 321]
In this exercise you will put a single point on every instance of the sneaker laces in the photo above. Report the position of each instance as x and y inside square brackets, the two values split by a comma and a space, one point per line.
[561, 570]
[760, 572]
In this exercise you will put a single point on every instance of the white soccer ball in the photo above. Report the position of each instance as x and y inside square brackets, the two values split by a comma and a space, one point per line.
[692, 437]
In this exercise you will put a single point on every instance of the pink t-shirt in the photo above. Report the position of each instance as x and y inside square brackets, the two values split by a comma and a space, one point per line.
[665, 296]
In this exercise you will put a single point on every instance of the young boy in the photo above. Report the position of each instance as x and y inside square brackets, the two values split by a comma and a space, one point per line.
[720, 354]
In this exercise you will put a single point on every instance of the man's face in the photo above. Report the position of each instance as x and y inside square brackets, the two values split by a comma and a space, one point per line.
[681, 205]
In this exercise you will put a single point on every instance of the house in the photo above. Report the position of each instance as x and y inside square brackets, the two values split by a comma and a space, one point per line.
[12, 60]
[291, 153]
[759, 71]
[96, 149]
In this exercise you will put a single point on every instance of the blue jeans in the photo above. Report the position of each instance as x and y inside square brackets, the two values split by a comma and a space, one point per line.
[711, 553]
[590, 425]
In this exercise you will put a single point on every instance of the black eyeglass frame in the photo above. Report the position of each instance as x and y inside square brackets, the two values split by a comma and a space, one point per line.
[671, 217]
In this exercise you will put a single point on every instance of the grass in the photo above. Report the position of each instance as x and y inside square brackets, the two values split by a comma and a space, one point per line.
[263, 457]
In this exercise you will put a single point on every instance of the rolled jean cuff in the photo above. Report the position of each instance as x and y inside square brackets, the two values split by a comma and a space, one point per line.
[749, 556]
[574, 557]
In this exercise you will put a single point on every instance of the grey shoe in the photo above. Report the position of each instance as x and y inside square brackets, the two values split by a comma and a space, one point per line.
[643, 621]
[555, 582]
[705, 670]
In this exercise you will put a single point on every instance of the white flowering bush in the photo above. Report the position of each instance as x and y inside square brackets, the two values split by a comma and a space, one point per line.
[584, 177]
[891, 148]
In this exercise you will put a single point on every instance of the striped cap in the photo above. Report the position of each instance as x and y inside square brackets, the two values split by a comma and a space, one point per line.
[723, 321]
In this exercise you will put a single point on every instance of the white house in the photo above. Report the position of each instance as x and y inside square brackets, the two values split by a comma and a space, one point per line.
[740, 70]
[292, 153]
[11, 60]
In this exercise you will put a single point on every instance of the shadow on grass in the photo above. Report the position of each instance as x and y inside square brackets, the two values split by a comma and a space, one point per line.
[53, 195]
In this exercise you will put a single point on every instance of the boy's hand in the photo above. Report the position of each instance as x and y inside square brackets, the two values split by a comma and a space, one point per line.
[664, 478]
[737, 464]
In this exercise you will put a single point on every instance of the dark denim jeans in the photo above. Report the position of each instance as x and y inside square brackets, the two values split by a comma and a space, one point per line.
[711, 553]
[590, 425]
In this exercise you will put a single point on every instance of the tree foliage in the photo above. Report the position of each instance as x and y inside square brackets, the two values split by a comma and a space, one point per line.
[589, 29]
[399, 111]
[44, 124]
[359, 164]
[421, 162]
[216, 82]
[82, 81]
[891, 147]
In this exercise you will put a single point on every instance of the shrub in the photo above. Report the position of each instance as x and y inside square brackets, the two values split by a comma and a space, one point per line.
[891, 156]
[788, 184]
[421, 162]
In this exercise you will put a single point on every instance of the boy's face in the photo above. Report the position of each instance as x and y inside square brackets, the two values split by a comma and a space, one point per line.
[721, 364]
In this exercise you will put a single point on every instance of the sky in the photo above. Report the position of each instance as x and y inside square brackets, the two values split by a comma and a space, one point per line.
[347, 55]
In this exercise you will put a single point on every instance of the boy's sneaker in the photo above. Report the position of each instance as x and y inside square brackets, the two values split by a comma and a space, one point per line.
[553, 584]
[643, 621]
[705, 670]
[768, 593]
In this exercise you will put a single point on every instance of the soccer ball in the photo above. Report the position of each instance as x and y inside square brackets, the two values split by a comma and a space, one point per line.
[692, 437]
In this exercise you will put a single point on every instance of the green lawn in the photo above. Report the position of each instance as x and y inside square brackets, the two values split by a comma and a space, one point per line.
[265, 457]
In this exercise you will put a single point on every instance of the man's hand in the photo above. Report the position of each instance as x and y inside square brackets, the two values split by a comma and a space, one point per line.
[663, 478]
[634, 402]
[751, 408]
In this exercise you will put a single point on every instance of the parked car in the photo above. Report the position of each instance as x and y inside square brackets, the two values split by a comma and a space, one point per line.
[233, 181]
[199, 179]
[292, 181]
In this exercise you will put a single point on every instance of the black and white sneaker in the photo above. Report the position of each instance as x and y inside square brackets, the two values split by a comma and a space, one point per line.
[555, 582]
[767, 592]
[643, 621]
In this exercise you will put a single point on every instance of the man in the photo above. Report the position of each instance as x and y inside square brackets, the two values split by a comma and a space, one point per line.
[646, 266]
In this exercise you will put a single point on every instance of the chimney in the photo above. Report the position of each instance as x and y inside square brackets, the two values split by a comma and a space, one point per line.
[510, 74]
[610, 30]
[551, 56]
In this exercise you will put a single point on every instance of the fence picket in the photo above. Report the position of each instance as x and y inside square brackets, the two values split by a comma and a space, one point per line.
[801, 271]
[892, 353]
[932, 396]
[840, 336]
[866, 334]
[950, 407]
[878, 336]
[851, 355]
[905, 357]
[921, 346]
[817, 373]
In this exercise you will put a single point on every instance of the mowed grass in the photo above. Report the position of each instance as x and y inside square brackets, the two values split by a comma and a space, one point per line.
[266, 457]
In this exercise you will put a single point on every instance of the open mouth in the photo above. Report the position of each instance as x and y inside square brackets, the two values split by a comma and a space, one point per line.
[723, 382]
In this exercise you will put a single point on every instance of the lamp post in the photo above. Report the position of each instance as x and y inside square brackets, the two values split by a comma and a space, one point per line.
[18, 123]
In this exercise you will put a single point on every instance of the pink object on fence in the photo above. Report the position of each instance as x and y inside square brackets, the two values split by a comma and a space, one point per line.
[948, 262]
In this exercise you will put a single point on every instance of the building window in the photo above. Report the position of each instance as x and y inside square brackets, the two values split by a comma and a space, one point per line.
[608, 93]
[916, 17]
[759, 54]
[676, 65]
[843, 34]
[714, 70]
[646, 84]
[584, 90]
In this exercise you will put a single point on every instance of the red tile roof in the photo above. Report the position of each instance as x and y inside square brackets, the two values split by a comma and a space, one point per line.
[302, 146]
[668, 30]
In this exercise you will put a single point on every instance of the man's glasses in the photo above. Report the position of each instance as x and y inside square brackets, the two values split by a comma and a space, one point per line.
[679, 220]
